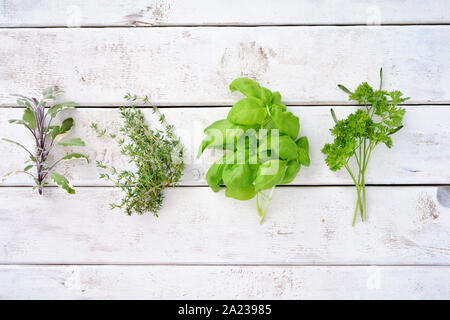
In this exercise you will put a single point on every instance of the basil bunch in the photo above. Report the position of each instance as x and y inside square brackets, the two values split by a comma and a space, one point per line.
[262, 149]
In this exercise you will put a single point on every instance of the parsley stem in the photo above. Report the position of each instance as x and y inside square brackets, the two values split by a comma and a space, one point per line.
[357, 205]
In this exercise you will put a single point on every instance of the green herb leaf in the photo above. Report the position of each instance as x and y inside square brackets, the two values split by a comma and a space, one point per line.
[303, 151]
[214, 174]
[247, 87]
[343, 88]
[286, 122]
[270, 173]
[280, 146]
[16, 121]
[6, 176]
[292, 169]
[16, 143]
[237, 175]
[221, 134]
[72, 142]
[28, 117]
[62, 182]
[59, 132]
[75, 156]
[55, 109]
[247, 111]
[246, 193]
[276, 98]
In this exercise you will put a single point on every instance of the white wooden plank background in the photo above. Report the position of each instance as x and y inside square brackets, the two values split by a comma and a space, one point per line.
[194, 66]
[32, 13]
[66, 247]
[406, 225]
[236, 282]
[419, 154]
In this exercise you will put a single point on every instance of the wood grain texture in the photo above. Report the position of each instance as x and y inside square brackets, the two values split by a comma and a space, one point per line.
[235, 282]
[37, 13]
[304, 225]
[419, 154]
[194, 66]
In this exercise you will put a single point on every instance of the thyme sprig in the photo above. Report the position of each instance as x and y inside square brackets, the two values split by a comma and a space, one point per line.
[156, 154]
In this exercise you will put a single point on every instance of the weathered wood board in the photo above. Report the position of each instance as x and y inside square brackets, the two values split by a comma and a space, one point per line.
[304, 225]
[194, 66]
[184, 54]
[235, 282]
[419, 154]
[31, 13]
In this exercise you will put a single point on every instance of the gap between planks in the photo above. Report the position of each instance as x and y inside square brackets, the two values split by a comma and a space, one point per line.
[233, 26]
[207, 106]
[278, 186]
[166, 264]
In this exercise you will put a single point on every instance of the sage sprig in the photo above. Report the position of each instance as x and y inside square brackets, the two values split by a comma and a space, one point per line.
[157, 156]
[38, 120]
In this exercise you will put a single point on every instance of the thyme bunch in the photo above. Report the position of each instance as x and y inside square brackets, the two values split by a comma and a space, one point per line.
[156, 154]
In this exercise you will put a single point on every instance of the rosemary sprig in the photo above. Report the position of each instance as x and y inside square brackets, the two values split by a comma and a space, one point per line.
[156, 154]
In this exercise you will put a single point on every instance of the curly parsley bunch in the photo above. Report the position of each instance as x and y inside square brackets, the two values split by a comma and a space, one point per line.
[358, 135]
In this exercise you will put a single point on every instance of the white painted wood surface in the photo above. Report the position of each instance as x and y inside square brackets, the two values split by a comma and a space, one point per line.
[304, 225]
[194, 66]
[31, 13]
[419, 155]
[235, 282]
[205, 245]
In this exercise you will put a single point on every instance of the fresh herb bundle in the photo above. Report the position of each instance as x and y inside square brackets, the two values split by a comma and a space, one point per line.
[38, 120]
[156, 154]
[358, 135]
[262, 149]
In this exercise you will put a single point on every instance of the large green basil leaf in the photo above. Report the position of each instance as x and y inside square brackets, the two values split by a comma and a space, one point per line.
[248, 111]
[288, 148]
[247, 87]
[221, 135]
[214, 174]
[246, 193]
[247, 147]
[270, 173]
[266, 96]
[276, 98]
[303, 151]
[292, 169]
[285, 148]
[286, 122]
[238, 175]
